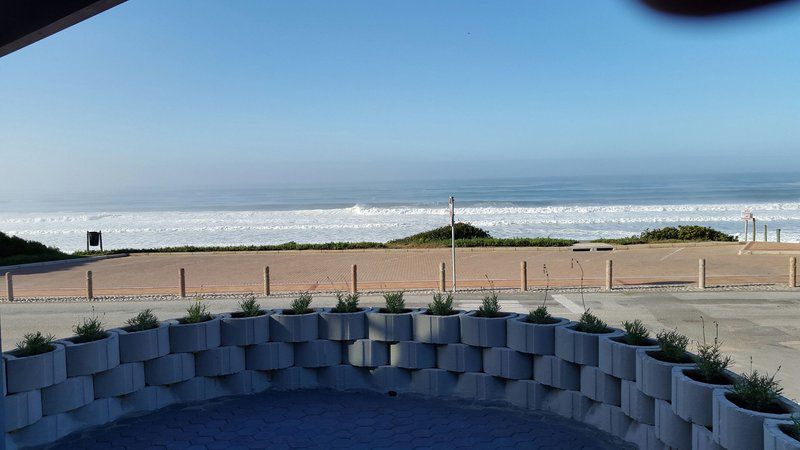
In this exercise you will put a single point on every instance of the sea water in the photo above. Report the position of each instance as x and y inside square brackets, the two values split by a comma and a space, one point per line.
[565, 207]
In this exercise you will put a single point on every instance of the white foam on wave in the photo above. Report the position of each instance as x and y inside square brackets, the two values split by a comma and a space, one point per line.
[371, 223]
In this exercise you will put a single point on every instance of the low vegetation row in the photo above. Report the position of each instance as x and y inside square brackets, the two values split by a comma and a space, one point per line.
[14, 250]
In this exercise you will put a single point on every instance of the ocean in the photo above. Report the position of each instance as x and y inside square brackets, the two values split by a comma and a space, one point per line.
[565, 207]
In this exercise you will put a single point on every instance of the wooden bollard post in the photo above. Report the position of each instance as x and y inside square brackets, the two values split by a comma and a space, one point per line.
[778, 235]
[754, 230]
[266, 280]
[792, 272]
[89, 286]
[182, 282]
[9, 287]
[442, 276]
[765, 232]
[523, 276]
[609, 275]
[701, 274]
[354, 278]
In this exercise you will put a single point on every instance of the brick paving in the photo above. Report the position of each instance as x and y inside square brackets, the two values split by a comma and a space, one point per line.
[329, 419]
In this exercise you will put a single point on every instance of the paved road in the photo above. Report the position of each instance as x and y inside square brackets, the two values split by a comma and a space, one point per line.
[327, 419]
[396, 269]
[764, 326]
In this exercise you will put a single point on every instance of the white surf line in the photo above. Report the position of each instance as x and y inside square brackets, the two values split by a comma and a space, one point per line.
[671, 253]
[567, 303]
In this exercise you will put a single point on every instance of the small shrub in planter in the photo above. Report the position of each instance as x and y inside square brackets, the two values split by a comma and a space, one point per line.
[589, 323]
[793, 429]
[534, 333]
[344, 322]
[92, 349]
[143, 338]
[392, 322]
[198, 330]
[490, 307]
[248, 326]
[485, 327]
[90, 330]
[299, 323]
[37, 362]
[617, 355]
[439, 324]
[579, 343]
[739, 412]
[654, 366]
[672, 347]
[540, 316]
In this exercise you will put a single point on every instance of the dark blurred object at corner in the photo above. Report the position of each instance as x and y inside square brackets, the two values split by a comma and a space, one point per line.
[705, 8]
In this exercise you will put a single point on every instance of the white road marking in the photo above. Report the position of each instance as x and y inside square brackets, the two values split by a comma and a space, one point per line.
[567, 303]
[671, 253]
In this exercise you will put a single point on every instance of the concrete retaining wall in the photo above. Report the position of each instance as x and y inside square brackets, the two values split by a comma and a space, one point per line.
[563, 371]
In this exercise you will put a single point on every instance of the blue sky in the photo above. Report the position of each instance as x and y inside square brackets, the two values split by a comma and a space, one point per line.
[206, 92]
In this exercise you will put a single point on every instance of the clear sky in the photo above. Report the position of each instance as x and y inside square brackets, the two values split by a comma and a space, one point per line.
[165, 93]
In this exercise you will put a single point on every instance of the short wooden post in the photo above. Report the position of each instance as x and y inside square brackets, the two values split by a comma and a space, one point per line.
[701, 274]
[182, 282]
[442, 276]
[765, 232]
[89, 286]
[354, 279]
[10, 286]
[792, 272]
[609, 275]
[778, 235]
[754, 230]
[523, 276]
[266, 280]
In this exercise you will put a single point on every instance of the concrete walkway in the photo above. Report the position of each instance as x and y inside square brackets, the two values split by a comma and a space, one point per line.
[329, 419]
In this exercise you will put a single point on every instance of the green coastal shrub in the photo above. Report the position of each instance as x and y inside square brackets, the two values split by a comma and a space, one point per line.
[35, 344]
[346, 303]
[462, 231]
[666, 234]
[636, 333]
[442, 304]
[395, 303]
[300, 305]
[15, 250]
[145, 320]
[589, 323]
[673, 346]
[90, 330]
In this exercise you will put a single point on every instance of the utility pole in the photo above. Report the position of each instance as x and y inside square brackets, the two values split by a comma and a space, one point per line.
[452, 203]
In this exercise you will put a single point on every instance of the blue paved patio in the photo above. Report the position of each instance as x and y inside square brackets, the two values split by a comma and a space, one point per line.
[325, 419]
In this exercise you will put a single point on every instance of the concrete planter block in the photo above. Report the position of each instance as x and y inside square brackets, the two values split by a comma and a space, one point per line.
[219, 361]
[389, 327]
[149, 398]
[555, 372]
[293, 327]
[579, 347]
[526, 394]
[193, 337]
[703, 439]
[98, 412]
[412, 355]
[22, 409]
[608, 418]
[653, 376]
[636, 404]
[121, 380]
[479, 386]
[344, 377]
[433, 382]
[437, 329]
[536, 339]
[295, 378]
[318, 353]
[776, 439]
[391, 378]
[269, 356]
[169, 369]
[568, 404]
[88, 358]
[137, 346]
[367, 353]
[459, 358]
[44, 431]
[245, 382]
[507, 363]
[343, 326]
[484, 331]
[244, 330]
[617, 358]
[671, 429]
[691, 400]
[736, 428]
[25, 373]
[70, 394]
[600, 386]
[644, 437]
[194, 390]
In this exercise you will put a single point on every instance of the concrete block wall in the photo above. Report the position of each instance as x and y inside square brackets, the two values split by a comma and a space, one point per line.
[564, 372]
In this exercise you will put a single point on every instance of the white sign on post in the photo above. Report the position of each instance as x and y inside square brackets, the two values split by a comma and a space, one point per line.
[747, 215]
